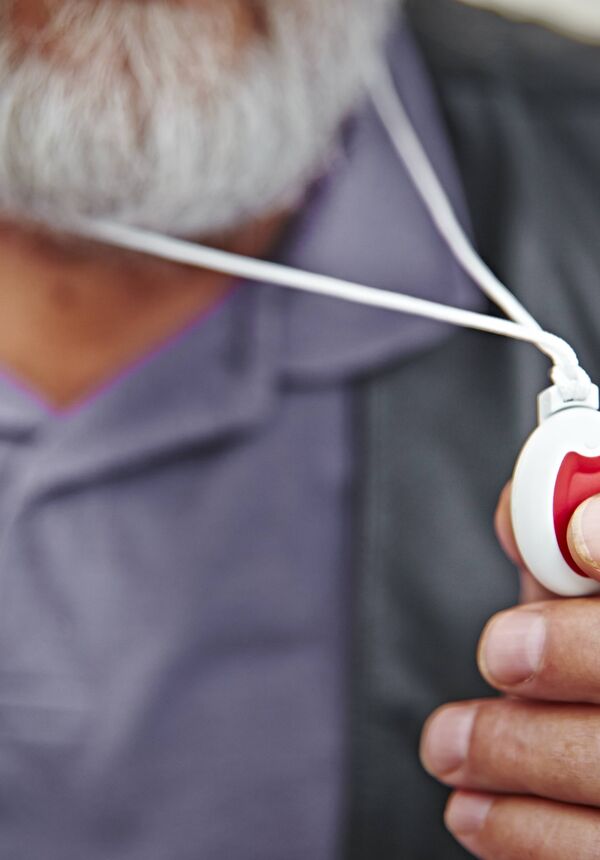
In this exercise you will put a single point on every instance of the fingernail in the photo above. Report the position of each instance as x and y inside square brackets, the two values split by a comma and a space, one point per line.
[447, 738]
[514, 646]
[585, 531]
[467, 813]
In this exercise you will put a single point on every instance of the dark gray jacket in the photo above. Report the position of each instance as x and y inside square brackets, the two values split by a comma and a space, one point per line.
[521, 105]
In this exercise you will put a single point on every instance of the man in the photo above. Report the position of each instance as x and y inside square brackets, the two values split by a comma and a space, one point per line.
[245, 544]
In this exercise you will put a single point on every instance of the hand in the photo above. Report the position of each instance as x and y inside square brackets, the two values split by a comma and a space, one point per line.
[527, 767]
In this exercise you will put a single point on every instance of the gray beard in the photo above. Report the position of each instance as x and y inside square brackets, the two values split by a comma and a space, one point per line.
[148, 119]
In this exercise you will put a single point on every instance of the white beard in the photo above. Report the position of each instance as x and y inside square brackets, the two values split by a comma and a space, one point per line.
[148, 120]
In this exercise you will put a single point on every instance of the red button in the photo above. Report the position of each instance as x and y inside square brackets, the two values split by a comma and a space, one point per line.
[578, 479]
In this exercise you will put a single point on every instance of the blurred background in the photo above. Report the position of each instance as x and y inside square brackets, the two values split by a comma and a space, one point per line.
[577, 18]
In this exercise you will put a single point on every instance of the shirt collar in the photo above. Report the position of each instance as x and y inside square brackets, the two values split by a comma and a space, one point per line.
[220, 376]
[367, 223]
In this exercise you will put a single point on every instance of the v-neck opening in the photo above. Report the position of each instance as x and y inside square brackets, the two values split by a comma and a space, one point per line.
[35, 403]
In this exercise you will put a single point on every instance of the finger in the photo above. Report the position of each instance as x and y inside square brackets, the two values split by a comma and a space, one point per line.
[504, 529]
[531, 590]
[583, 536]
[514, 828]
[548, 650]
[516, 747]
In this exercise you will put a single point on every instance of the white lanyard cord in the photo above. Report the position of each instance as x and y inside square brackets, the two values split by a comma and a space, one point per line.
[191, 254]
[408, 146]
[572, 381]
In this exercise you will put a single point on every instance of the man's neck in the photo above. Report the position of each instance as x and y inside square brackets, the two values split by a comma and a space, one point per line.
[73, 314]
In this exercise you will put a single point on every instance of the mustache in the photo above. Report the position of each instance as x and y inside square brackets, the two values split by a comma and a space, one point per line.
[149, 114]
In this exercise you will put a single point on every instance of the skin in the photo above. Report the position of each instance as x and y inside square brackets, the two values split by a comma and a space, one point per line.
[533, 755]
[73, 314]
[29, 16]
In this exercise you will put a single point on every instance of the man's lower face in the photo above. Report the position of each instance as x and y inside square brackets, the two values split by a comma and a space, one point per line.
[43, 25]
[28, 19]
[184, 116]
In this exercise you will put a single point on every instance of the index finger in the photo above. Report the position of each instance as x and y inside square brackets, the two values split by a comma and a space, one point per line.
[531, 590]
[504, 529]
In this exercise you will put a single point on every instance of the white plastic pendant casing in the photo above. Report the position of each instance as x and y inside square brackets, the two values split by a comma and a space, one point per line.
[558, 468]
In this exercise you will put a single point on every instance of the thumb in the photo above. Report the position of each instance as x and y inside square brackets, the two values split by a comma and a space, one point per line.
[583, 536]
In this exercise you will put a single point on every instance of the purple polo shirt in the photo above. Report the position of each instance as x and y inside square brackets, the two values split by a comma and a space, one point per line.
[175, 552]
